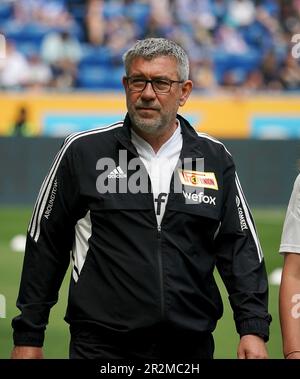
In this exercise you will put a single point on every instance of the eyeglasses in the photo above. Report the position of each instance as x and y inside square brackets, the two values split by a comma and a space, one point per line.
[158, 85]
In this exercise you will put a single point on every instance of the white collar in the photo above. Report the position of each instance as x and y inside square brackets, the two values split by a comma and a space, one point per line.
[144, 148]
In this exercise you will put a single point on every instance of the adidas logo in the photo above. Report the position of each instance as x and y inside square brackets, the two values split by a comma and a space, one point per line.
[117, 173]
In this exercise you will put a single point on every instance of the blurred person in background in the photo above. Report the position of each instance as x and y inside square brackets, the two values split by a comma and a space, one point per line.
[203, 75]
[290, 74]
[62, 52]
[241, 12]
[143, 257]
[234, 35]
[117, 39]
[270, 71]
[94, 22]
[161, 20]
[39, 75]
[20, 125]
[13, 69]
[51, 13]
[289, 295]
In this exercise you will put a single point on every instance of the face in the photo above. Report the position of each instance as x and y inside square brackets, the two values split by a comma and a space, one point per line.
[150, 112]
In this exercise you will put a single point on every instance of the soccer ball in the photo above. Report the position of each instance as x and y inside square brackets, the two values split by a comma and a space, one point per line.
[18, 243]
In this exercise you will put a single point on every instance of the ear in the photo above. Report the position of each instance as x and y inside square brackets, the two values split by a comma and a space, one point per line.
[185, 92]
[124, 81]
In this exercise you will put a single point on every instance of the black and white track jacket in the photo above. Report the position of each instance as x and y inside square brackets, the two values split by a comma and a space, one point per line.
[128, 272]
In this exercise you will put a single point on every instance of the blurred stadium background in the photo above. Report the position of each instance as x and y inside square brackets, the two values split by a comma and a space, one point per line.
[61, 72]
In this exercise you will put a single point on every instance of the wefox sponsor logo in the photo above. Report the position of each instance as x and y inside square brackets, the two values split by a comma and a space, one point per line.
[243, 223]
[200, 198]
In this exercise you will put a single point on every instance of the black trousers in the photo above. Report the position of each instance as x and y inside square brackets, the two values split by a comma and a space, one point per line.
[90, 342]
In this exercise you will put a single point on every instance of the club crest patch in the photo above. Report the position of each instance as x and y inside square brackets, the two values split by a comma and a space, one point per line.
[198, 179]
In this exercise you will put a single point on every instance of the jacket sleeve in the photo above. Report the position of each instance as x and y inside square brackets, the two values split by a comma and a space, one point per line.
[240, 260]
[47, 255]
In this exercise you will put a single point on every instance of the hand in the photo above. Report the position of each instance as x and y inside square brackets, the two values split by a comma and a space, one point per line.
[27, 352]
[294, 355]
[252, 347]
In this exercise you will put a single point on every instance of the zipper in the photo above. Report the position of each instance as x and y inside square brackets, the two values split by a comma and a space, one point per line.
[161, 277]
[159, 253]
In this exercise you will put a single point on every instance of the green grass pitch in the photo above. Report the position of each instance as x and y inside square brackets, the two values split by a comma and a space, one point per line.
[15, 220]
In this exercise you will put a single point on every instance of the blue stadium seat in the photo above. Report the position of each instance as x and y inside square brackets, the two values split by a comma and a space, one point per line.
[257, 36]
[113, 9]
[95, 55]
[28, 48]
[139, 13]
[6, 11]
[33, 33]
[97, 77]
[242, 64]
[115, 78]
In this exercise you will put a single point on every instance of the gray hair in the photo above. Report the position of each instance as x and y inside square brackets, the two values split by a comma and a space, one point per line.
[151, 48]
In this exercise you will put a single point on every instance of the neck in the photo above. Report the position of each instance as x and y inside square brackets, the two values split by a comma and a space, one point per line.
[157, 140]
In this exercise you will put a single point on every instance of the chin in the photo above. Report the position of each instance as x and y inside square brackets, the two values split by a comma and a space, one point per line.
[146, 126]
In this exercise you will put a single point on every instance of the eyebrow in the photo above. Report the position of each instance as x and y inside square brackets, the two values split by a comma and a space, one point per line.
[152, 78]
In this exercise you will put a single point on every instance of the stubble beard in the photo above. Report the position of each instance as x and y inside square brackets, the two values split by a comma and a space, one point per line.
[151, 126]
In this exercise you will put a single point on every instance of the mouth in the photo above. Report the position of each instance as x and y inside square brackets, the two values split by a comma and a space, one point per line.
[147, 109]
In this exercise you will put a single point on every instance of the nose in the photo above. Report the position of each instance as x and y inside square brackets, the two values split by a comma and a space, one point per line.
[148, 92]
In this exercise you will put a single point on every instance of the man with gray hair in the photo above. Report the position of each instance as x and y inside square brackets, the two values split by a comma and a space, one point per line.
[148, 208]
